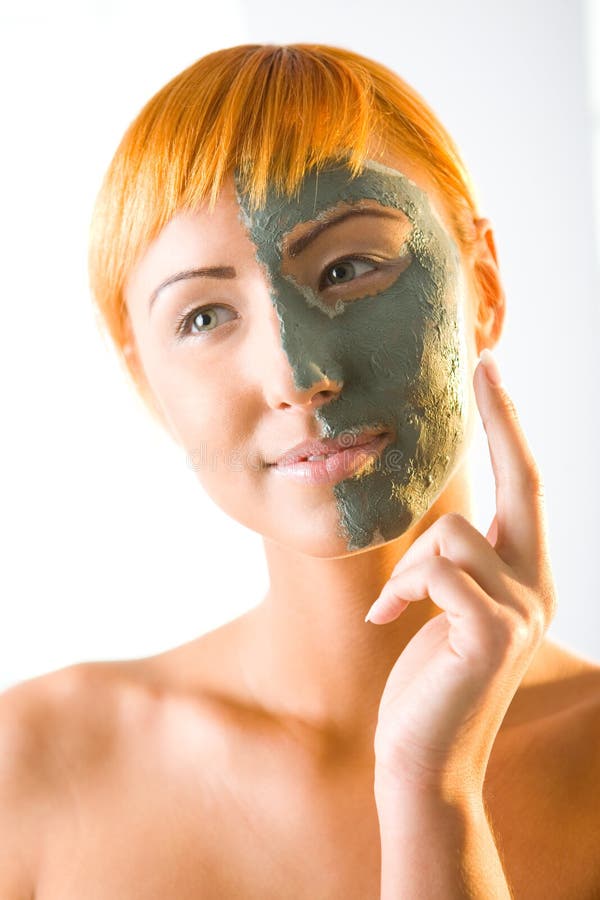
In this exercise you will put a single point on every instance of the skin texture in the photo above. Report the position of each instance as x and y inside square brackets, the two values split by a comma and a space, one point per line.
[395, 340]
[230, 399]
[241, 763]
[287, 367]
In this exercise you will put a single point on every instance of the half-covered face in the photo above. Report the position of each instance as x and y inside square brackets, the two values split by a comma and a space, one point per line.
[336, 314]
[390, 333]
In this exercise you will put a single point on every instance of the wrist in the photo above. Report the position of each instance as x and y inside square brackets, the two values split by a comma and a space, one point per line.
[432, 818]
[399, 800]
[437, 845]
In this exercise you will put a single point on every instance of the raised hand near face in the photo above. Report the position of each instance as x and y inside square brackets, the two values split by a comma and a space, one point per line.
[448, 692]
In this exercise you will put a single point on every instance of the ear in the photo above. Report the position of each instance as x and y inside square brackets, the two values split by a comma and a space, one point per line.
[136, 371]
[130, 352]
[490, 296]
[134, 363]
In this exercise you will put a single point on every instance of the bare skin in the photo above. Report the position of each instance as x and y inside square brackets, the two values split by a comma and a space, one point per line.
[161, 777]
[241, 764]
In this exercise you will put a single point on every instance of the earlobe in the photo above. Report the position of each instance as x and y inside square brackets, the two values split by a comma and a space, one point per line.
[137, 373]
[140, 381]
[128, 346]
[132, 359]
[130, 354]
[491, 299]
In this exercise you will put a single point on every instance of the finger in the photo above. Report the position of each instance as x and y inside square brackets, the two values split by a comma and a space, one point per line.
[453, 590]
[519, 493]
[453, 537]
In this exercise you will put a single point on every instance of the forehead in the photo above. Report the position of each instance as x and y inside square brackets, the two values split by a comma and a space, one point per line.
[282, 223]
[386, 180]
[406, 186]
[332, 187]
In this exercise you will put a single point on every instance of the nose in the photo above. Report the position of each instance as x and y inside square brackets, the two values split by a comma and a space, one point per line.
[299, 379]
[282, 391]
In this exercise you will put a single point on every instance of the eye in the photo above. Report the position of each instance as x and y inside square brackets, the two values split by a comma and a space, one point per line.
[345, 270]
[201, 320]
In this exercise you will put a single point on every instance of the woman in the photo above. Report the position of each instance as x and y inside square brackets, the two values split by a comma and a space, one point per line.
[287, 252]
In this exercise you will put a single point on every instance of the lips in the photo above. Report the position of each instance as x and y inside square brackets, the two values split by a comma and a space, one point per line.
[327, 446]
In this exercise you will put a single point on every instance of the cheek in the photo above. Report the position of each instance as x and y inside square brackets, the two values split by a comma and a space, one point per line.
[216, 420]
[394, 340]
[196, 398]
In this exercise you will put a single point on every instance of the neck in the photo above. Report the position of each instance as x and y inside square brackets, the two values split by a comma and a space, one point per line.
[307, 650]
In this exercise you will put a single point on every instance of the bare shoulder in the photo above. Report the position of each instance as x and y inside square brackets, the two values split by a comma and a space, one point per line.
[575, 725]
[57, 718]
[40, 716]
[49, 724]
[576, 686]
[553, 735]
[581, 720]
[562, 710]
[542, 788]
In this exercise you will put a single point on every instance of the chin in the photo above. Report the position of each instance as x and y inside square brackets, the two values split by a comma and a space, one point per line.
[316, 535]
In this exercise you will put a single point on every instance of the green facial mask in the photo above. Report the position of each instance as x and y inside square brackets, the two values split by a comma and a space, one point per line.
[399, 352]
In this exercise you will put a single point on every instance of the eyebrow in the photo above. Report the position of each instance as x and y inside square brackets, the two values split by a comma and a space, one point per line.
[294, 248]
[206, 272]
[297, 246]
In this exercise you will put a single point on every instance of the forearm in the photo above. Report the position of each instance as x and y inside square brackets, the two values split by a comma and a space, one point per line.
[434, 849]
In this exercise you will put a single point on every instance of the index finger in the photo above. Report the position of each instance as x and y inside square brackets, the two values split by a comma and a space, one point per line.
[520, 511]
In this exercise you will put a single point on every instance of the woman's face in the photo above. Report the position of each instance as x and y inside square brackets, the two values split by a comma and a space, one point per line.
[297, 333]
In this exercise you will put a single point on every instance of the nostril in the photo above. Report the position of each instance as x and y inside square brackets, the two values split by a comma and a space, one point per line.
[326, 395]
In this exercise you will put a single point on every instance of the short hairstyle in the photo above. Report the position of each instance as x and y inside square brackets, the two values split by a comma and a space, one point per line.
[272, 112]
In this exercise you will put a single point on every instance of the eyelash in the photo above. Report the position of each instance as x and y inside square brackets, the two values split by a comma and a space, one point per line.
[368, 259]
[182, 328]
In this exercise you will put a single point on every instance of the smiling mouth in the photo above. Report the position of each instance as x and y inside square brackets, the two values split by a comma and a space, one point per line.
[335, 464]
[315, 449]
[362, 444]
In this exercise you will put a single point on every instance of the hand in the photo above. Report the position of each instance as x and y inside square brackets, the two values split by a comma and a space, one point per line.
[448, 692]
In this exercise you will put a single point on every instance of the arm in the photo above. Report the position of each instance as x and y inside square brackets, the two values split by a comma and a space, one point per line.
[18, 813]
[433, 848]
[449, 690]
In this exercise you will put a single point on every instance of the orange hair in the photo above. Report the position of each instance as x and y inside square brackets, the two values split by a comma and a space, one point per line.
[272, 112]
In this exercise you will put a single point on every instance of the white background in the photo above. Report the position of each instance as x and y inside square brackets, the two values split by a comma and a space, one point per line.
[110, 549]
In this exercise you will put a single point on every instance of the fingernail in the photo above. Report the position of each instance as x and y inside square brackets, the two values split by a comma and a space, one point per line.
[490, 366]
[373, 605]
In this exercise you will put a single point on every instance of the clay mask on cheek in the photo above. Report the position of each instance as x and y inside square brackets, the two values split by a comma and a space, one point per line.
[398, 352]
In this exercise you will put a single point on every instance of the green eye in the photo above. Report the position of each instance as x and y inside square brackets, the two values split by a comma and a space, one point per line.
[346, 269]
[201, 320]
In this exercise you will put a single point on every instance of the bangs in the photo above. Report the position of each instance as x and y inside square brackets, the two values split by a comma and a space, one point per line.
[272, 113]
